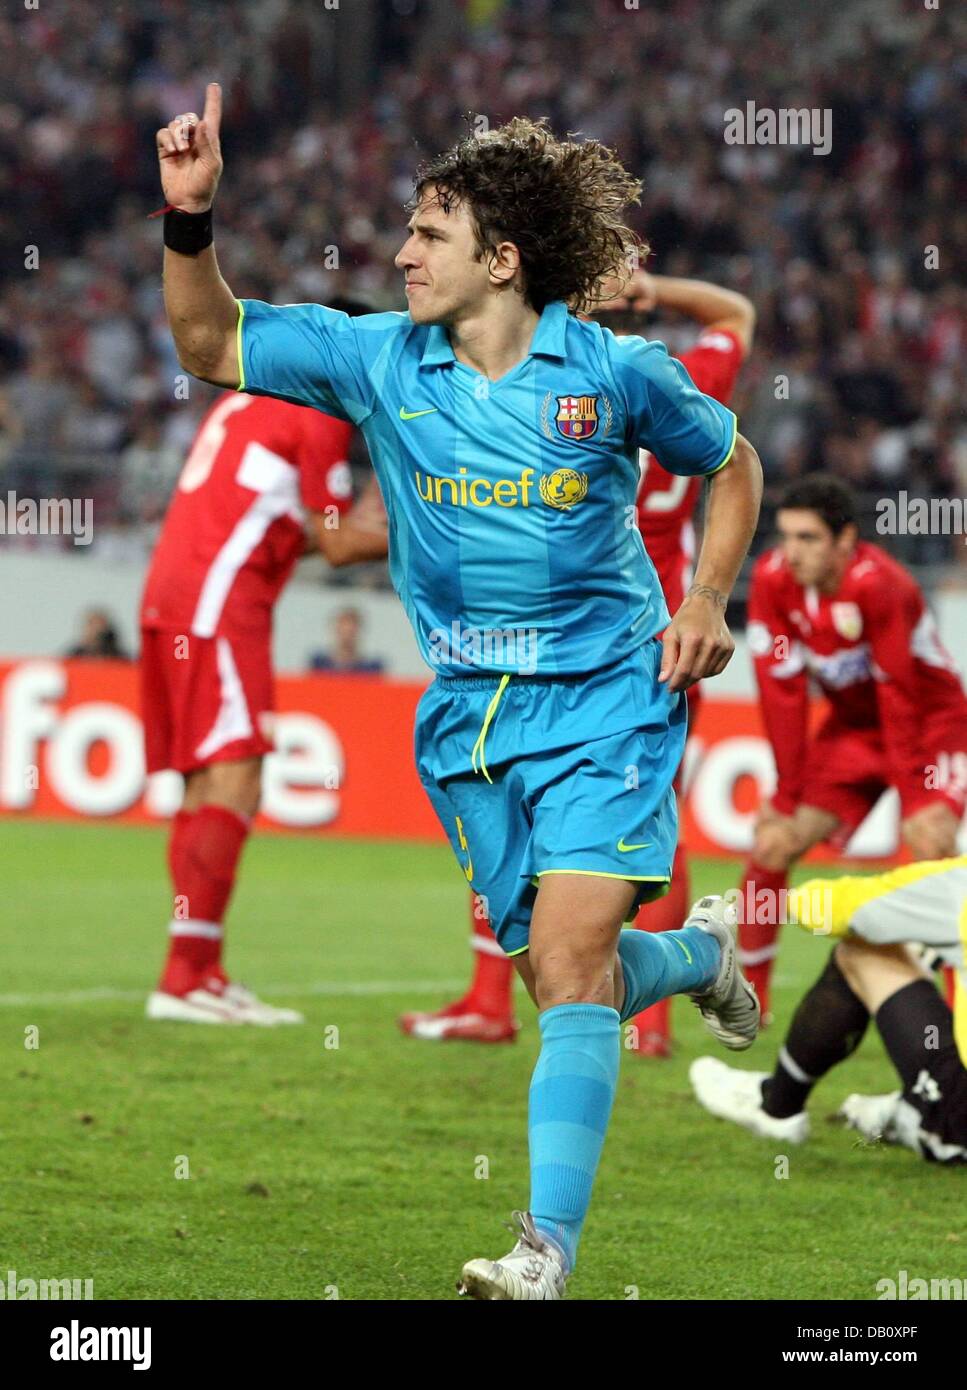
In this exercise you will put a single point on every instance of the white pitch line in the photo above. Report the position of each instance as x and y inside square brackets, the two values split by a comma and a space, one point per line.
[320, 987]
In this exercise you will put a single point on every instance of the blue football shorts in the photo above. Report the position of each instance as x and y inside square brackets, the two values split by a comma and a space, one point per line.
[559, 774]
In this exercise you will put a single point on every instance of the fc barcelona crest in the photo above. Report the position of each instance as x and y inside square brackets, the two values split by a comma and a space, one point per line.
[577, 416]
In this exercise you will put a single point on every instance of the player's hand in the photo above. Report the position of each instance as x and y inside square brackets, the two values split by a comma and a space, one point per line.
[190, 155]
[776, 840]
[638, 292]
[766, 813]
[768, 818]
[368, 511]
[931, 832]
[696, 643]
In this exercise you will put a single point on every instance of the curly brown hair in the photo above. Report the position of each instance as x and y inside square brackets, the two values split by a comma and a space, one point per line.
[560, 202]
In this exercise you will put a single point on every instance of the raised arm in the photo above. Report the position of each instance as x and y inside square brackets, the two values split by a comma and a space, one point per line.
[361, 535]
[708, 304]
[201, 309]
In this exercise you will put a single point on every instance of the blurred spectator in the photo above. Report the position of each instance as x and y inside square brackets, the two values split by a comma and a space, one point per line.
[345, 654]
[98, 638]
[149, 470]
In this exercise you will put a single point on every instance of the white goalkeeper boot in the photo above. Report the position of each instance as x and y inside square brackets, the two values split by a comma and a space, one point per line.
[532, 1270]
[873, 1116]
[730, 1007]
[736, 1095]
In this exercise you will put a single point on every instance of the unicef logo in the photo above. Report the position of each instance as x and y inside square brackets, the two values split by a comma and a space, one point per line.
[564, 488]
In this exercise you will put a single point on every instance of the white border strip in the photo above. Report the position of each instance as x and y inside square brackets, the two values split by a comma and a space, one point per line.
[345, 988]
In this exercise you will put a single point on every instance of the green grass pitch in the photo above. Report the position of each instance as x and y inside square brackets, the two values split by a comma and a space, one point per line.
[354, 1170]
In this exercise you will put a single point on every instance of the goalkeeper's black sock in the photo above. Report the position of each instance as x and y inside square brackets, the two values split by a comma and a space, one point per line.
[826, 1028]
[912, 1020]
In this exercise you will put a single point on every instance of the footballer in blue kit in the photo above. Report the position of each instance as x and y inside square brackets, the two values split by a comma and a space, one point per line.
[504, 431]
[510, 505]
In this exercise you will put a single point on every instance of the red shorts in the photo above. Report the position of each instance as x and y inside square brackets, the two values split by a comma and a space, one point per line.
[204, 699]
[848, 772]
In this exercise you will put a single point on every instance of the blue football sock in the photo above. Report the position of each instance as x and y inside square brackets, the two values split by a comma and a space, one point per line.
[570, 1104]
[656, 964]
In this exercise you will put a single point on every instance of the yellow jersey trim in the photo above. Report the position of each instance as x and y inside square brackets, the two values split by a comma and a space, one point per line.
[960, 994]
[603, 873]
[735, 435]
[238, 346]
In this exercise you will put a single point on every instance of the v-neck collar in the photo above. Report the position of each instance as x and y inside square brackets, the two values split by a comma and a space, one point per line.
[548, 341]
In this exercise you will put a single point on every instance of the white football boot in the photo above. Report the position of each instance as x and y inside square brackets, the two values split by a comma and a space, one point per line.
[197, 1006]
[873, 1116]
[736, 1095]
[532, 1270]
[255, 1010]
[232, 1005]
[730, 1007]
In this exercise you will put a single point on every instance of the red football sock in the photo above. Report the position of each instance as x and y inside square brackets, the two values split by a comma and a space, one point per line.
[759, 926]
[666, 914]
[491, 989]
[176, 846]
[204, 855]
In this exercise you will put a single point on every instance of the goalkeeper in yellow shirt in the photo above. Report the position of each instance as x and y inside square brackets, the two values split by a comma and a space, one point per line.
[890, 928]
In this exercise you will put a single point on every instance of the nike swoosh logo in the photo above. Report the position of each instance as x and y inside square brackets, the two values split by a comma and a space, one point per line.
[415, 414]
[626, 849]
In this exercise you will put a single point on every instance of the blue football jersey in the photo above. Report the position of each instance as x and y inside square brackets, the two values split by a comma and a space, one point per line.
[514, 543]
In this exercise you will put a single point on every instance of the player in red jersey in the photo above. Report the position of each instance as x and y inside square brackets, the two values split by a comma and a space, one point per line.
[260, 475]
[666, 504]
[828, 607]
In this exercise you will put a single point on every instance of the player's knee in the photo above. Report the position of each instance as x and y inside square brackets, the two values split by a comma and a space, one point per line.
[573, 977]
[237, 786]
[845, 955]
[253, 790]
[876, 971]
[853, 964]
[526, 974]
[775, 858]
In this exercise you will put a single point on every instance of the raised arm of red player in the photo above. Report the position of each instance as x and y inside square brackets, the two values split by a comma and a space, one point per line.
[783, 692]
[363, 533]
[890, 615]
[346, 532]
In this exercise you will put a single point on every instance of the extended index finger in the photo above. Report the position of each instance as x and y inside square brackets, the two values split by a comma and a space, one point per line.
[213, 109]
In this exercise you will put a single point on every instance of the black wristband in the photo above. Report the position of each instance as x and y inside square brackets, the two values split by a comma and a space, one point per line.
[188, 232]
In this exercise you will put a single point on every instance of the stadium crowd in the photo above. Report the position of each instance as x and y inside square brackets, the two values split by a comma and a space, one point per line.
[858, 366]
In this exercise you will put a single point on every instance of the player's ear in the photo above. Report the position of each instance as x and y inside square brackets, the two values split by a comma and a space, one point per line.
[503, 262]
[848, 537]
